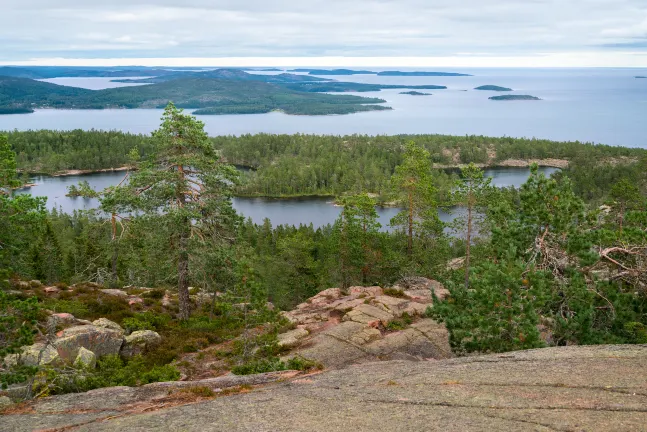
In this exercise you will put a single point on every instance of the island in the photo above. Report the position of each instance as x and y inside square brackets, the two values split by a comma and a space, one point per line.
[640, 76]
[513, 98]
[15, 110]
[493, 88]
[434, 74]
[228, 74]
[415, 93]
[334, 71]
[338, 86]
[239, 94]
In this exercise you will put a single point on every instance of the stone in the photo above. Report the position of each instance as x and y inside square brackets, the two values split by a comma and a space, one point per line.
[21, 285]
[59, 319]
[135, 300]
[35, 283]
[372, 291]
[86, 359]
[456, 263]
[101, 341]
[38, 354]
[367, 314]
[140, 341]
[51, 290]
[394, 305]
[292, 338]
[106, 323]
[419, 295]
[366, 335]
[115, 292]
[345, 304]
[5, 402]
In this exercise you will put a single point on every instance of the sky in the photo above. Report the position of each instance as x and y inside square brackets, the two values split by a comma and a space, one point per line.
[458, 33]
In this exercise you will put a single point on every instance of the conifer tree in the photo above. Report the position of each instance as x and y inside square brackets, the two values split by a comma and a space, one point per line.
[416, 194]
[185, 187]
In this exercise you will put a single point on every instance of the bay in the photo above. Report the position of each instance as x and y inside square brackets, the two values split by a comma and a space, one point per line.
[297, 211]
[590, 105]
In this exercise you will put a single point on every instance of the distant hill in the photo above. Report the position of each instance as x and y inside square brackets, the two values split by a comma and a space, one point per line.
[436, 74]
[334, 71]
[513, 97]
[493, 88]
[228, 74]
[640, 76]
[44, 72]
[210, 95]
[337, 86]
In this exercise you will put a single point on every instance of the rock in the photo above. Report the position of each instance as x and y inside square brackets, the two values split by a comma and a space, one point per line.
[114, 292]
[166, 300]
[21, 285]
[59, 319]
[38, 354]
[393, 305]
[5, 402]
[86, 359]
[106, 323]
[373, 291]
[367, 314]
[35, 283]
[456, 263]
[345, 304]
[51, 290]
[101, 341]
[292, 338]
[419, 295]
[139, 342]
[135, 300]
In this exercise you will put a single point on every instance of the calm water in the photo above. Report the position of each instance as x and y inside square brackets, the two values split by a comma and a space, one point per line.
[597, 105]
[315, 211]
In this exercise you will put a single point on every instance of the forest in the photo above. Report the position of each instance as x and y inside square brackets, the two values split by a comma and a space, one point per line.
[224, 88]
[565, 255]
[301, 165]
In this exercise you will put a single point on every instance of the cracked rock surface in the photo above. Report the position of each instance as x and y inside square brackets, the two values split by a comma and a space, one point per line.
[585, 388]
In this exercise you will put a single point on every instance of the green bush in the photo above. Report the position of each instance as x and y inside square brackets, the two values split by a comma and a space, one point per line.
[146, 321]
[111, 371]
[273, 364]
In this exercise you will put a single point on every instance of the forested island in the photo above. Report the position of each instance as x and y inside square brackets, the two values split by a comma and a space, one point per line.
[235, 93]
[640, 76]
[514, 98]
[166, 282]
[336, 86]
[368, 72]
[493, 88]
[415, 93]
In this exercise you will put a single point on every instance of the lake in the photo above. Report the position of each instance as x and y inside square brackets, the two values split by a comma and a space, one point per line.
[595, 105]
[315, 211]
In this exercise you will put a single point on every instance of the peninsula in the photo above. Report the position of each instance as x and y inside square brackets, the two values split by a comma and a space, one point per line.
[415, 93]
[237, 95]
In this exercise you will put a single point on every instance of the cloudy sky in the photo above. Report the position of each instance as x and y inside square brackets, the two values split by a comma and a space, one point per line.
[325, 32]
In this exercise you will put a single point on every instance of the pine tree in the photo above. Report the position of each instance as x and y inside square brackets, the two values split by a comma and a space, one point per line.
[185, 187]
[416, 194]
[472, 191]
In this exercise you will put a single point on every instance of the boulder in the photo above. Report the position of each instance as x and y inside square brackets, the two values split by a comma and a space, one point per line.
[60, 319]
[101, 341]
[51, 290]
[292, 338]
[86, 359]
[106, 323]
[35, 283]
[38, 354]
[115, 292]
[139, 342]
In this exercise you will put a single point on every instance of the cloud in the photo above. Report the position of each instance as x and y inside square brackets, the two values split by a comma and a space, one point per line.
[42, 29]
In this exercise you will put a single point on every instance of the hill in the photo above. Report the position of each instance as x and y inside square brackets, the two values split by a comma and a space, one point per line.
[213, 95]
[435, 74]
[337, 86]
[228, 74]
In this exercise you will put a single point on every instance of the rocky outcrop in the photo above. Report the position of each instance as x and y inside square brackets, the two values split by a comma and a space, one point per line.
[85, 359]
[106, 323]
[577, 388]
[338, 329]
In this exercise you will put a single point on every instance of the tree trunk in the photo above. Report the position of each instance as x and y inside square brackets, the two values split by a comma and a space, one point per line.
[183, 259]
[468, 245]
[410, 239]
[115, 248]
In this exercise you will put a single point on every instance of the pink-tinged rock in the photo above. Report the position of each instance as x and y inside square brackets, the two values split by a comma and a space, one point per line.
[51, 290]
[99, 340]
[371, 291]
[135, 300]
